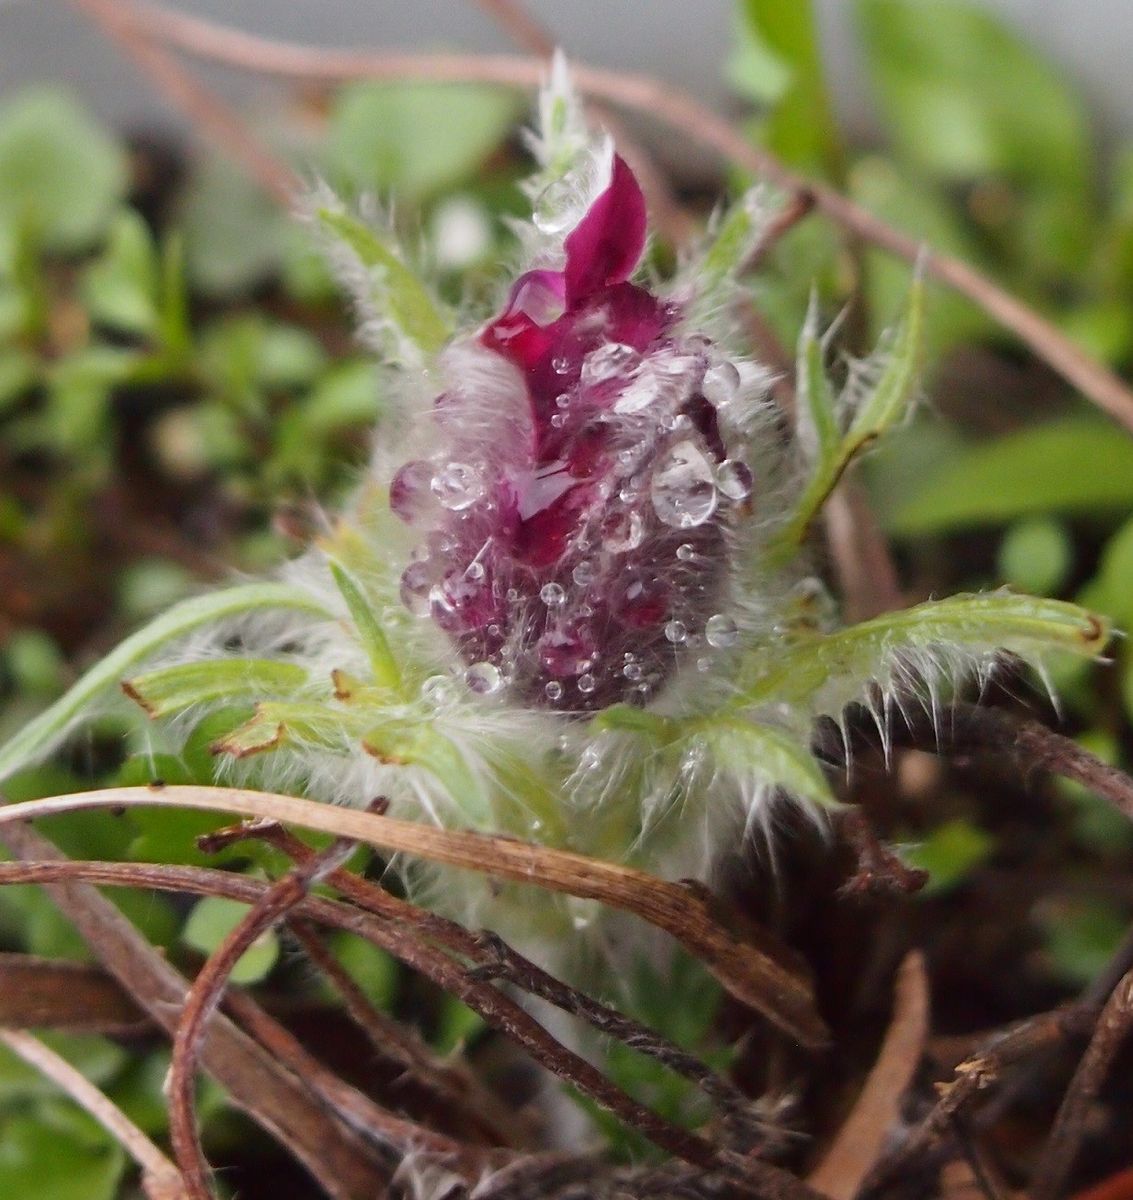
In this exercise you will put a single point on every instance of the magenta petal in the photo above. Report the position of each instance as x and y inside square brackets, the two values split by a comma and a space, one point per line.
[604, 247]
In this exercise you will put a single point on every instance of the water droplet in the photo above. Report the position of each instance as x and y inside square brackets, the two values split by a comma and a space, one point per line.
[558, 420]
[614, 360]
[437, 689]
[416, 580]
[560, 364]
[512, 595]
[483, 678]
[552, 594]
[553, 690]
[684, 488]
[587, 683]
[686, 552]
[704, 664]
[474, 570]
[556, 208]
[583, 573]
[632, 670]
[721, 631]
[721, 383]
[457, 486]
[734, 479]
[623, 531]
[675, 632]
[562, 400]
[409, 491]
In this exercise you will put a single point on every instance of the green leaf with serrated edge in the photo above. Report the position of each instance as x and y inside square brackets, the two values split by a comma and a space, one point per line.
[845, 662]
[773, 758]
[883, 407]
[814, 400]
[370, 632]
[397, 292]
[1076, 465]
[39, 735]
[173, 689]
[421, 746]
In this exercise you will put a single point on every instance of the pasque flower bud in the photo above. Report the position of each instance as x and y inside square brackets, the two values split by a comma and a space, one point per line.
[574, 518]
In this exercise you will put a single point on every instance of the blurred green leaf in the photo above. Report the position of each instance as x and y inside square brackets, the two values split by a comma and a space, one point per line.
[37, 1160]
[212, 920]
[1036, 555]
[59, 170]
[414, 140]
[19, 373]
[779, 63]
[949, 854]
[371, 968]
[75, 419]
[235, 235]
[963, 97]
[1081, 937]
[457, 1025]
[1072, 465]
[120, 288]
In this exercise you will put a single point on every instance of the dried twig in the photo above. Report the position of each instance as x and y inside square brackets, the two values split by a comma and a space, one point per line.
[42, 993]
[668, 104]
[117, 20]
[751, 975]
[861, 1138]
[496, 1009]
[344, 1164]
[1061, 1149]
[160, 1178]
[495, 959]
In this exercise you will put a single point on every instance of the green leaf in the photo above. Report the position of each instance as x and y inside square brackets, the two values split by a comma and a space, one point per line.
[212, 920]
[39, 735]
[884, 404]
[1036, 555]
[277, 723]
[120, 288]
[37, 1159]
[964, 98]
[1075, 465]
[817, 418]
[800, 128]
[829, 671]
[414, 140]
[19, 373]
[59, 170]
[422, 746]
[75, 419]
[765, 755]
[370, 633]
[1111, 589]
[173, 689]
[949, 854]
[372, 969]
[235, 235]
[397, 293]
[1082, 937]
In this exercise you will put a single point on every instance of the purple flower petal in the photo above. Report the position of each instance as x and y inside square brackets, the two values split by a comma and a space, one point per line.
[604, 247]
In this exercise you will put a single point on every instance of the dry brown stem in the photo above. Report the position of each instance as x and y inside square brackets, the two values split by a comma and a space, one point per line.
[752, 976]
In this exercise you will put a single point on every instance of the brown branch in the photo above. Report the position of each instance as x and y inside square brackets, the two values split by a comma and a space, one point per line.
[493, 958]
[449, 1082]
[160, 1178]
[666, 103]
[752, 976]
[496, 1009]
[344, 1165]
[119, 22]
[1061, 1149]
[42, 993]
[203, 999]
[862, 1136]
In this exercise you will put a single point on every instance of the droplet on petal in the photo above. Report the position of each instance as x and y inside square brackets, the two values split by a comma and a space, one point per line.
[675, 632]
[683, 490]
[622, 531]
[587, 683]
[457, 486]
[613, 361]
[734, 479]
[686, 552]
[583, 573]
[416, 581]
[410, 491]
[483, 678]
[566, 651]
[721, 383]
[553, 690]
[552, 594]
[721, 631]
